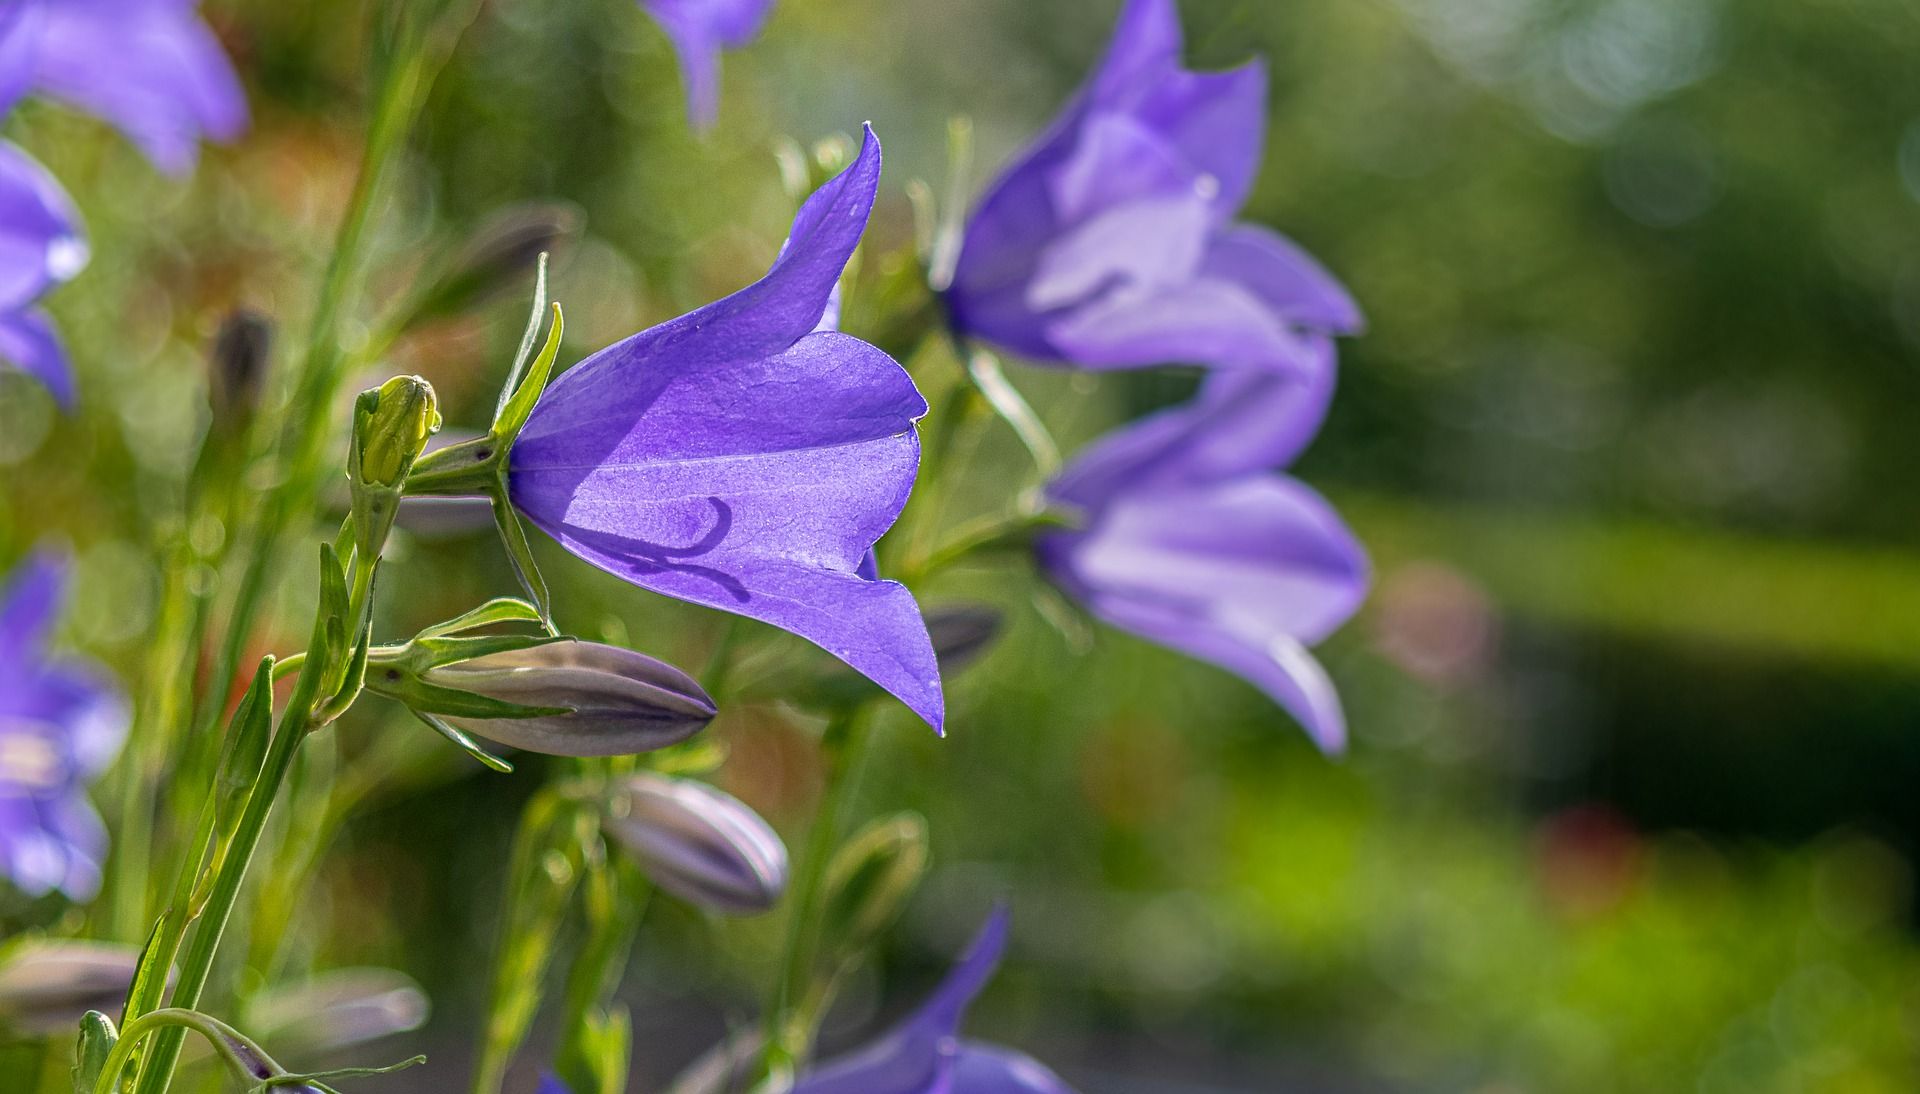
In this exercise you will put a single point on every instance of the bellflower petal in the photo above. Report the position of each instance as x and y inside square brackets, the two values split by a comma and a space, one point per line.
[739, 458]
[19, 29]
[40, 241]
[150, 67]
[1243, 573]
[922, 1055]
[698, 29]
[60, 724]
[29, 343]
[1108, 244]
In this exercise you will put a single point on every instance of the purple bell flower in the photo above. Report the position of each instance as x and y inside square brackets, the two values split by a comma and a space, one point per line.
[1110, 242]
[150, 67]
[1190, 543]
[741, 458]
[40, 246]
[61, 723]
[698, 29]
[925, 1055]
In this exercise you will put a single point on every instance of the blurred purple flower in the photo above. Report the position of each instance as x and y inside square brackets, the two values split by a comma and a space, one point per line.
[740, 458]
[925, 1055]
[61, 722]
[150, 67]
[698, 29]
[1110, 243]
[40, 246]
[1188, 542]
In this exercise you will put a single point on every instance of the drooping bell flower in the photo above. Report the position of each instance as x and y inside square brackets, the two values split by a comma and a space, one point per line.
[61, 723]
[742, 458]
[1110, 243]
[699, 29]
[152, 68]
[40, 246]
[925, 1055]
[1188, 541]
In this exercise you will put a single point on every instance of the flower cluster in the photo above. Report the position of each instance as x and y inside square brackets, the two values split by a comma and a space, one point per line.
[1110, 244]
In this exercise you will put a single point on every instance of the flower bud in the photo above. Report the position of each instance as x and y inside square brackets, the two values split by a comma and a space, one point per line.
[961, 633]
[390, 428]
[699, 844]
[870, 881]
[336, 1009]
[567, 698]
[237, 377]
[46, 987]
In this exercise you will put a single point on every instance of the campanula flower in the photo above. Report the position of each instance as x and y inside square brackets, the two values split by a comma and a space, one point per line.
[698, 29]
[1189, 542]
[700, 844]
[61, 723]
[40, 246]
[925, 1054]
[150, 67]
[741, 458]
[1110, 243]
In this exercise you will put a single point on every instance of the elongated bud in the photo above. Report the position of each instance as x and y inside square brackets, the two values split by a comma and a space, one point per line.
[564, 698]
[391, 425]
[700, 844]
[47, 986]
[336, 1009]
[91, 1049]
[870, 881]
[237, 376]
[261, 1067]
[503, 250]
[961, 633]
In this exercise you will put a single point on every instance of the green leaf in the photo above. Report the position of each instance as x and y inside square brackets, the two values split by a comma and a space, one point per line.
[90, 1051]
[247, 736]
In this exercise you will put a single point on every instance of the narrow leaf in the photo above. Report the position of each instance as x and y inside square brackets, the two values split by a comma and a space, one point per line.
[465, 743]
[526, 340]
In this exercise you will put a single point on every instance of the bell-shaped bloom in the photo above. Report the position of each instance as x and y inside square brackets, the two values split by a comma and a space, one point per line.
[1110, 243]
[40, 246]
[699, 29]
[1189, 542]
[741, 458]
[925, 1055]
[61, 723]
[152, 68]
[700, 844]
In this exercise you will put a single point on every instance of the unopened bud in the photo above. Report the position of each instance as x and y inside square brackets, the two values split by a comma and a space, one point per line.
[237, 377]
[699, 844]
[47, 986]
[391, 425]
[961, 633]
[569, 698]
[871, 879]
[336, 1009]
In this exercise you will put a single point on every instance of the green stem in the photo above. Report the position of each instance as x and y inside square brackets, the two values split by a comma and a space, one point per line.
[788, 1041]
[197, 966]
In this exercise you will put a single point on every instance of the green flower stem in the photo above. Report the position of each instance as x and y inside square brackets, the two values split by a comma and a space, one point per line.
[788, 1030]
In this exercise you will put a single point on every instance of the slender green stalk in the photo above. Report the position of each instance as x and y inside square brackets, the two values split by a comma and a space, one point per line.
[842, 746]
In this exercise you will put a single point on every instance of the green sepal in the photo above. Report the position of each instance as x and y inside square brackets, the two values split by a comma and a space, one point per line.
[422, 697]
[520, 554]
[503, 609]
[465, 743]
[536, 316]
[519, 406]
[447, 650]
[983, 369]
[90, 1050]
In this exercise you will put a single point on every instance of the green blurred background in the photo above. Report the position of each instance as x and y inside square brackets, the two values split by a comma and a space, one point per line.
[1633, 436]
